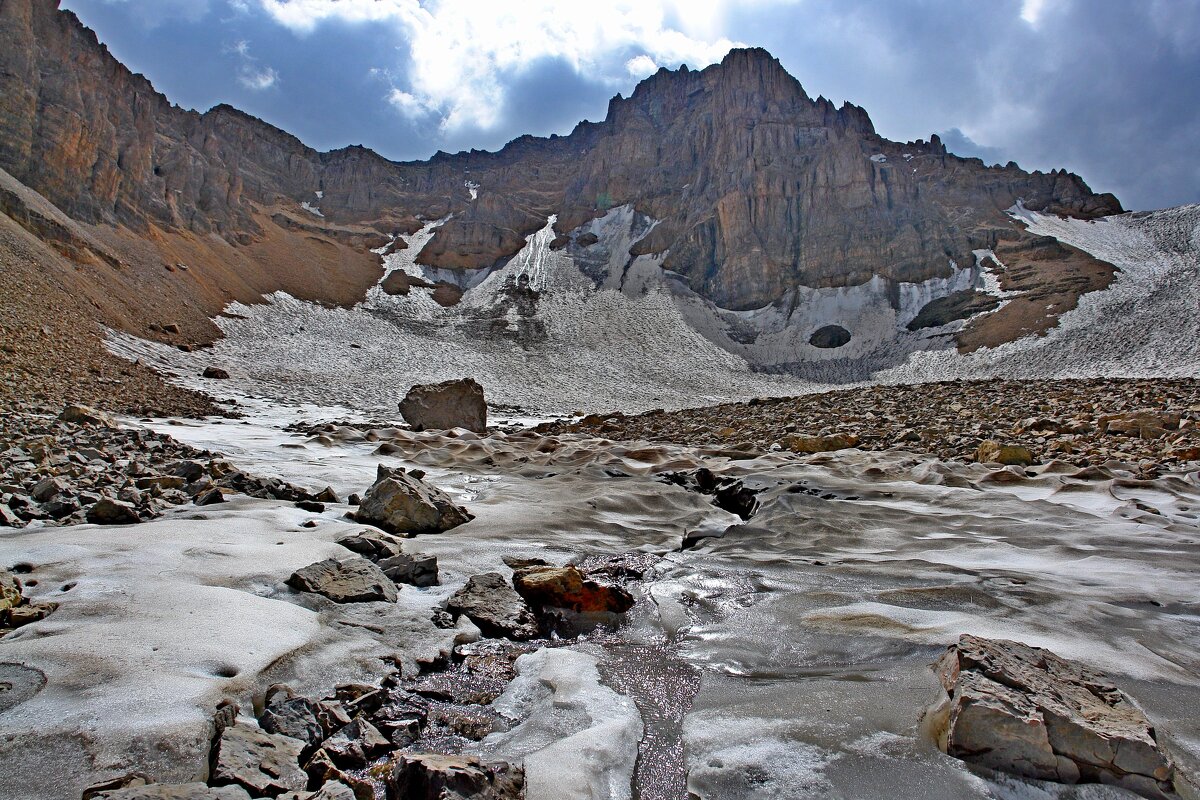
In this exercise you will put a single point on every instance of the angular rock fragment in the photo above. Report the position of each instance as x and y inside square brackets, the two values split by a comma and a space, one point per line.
[441, 406]
[372, 544]
[112, 512]
[566, 587]
[167, 791]
[429, 776]
[287, 714]
[400, 502]
[215, 373]
[495, 607]
[355, 745]
[416, 570]
[1024, 710]
[265, 764]
[86, 415]
[355, 580]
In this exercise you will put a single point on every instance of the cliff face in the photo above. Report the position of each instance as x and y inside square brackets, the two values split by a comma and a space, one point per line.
[757, 187]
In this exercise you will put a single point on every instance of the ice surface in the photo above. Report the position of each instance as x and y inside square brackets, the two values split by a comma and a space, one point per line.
[579, 738]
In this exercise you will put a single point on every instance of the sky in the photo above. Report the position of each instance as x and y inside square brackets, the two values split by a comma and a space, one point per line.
[1109, 89]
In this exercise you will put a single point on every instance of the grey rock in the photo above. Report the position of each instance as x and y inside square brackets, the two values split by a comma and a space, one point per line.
[1024, 710]
[441, 406]
[417, 570]
[289, 715]
[355, 745]
[399, 502]
[372, 544]
[495, 607]
[48, 488]
[261, 762]
[209, 496]
[430, 776]
[355, 580]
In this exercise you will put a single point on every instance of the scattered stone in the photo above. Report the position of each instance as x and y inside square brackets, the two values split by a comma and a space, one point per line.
[262, 763]
[441, 406]
[1024, 710]
[355, 745]
[355, 580]
[327, 495]
[417, 570]
[112, 512]
[215, 373]
[310, 505]
[430, 776]
[566, 587]
[495, 607]
[400, 502]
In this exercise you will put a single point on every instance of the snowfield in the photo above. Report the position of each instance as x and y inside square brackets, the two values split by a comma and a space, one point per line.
[587, 328]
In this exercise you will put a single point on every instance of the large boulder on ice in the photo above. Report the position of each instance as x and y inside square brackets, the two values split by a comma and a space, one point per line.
[265, 764]
[567, 587]
[440, 406]
[400, 502]
[1024, 710]
[354, 580]
[494, 607]
[430, 776]
[829, 337]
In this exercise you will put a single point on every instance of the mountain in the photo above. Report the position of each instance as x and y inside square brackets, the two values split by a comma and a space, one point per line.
[753, 202]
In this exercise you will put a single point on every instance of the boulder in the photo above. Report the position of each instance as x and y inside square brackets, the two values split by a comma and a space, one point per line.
[355, 580]
[215, 373]
[829, 337]
[440, 406]
[112, 512]
[355, 745]
[820, 444]
[429, 776]
[1140, 424]
[991, 451]
[1024, 710]
[86, 415]
[417, 570]
[399, 502]
[566, 587]
[265, 764]
[209, 496]
[495, 607]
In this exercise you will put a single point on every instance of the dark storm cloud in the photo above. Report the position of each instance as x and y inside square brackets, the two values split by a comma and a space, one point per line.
[1106, 88]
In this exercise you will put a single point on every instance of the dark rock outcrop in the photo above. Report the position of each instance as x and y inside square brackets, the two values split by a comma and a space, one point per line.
[1024, 710]
[264, 764]
[829, 337]
[441, 406]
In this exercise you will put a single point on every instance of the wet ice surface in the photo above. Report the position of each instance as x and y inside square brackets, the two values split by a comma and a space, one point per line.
[789, 656]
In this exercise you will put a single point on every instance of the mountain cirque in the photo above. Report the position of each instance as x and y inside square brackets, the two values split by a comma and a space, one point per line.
[160, 216]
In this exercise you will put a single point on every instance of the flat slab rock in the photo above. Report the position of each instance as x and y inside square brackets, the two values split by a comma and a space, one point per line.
[265, 764]
[177, 791]
[566, 587]
[1024, 710]
[401, 502]
[355, 580]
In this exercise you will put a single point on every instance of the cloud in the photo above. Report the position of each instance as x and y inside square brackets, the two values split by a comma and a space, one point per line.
[462, 55]
[249, 74]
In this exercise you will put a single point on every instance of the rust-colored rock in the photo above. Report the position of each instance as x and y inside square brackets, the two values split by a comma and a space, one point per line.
[567, 587]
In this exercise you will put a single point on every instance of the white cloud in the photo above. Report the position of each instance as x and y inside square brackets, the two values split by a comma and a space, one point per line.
[641, 66]
[462, 53]
[258, 79]
[1031, 10]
